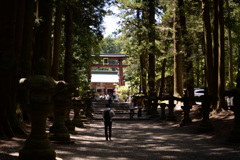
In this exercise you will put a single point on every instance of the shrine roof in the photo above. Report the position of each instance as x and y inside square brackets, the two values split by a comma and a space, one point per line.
[105, 76]
[113, 55]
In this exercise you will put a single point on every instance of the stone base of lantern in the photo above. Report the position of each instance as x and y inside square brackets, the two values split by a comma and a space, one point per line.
[37, 147]
[77, 121]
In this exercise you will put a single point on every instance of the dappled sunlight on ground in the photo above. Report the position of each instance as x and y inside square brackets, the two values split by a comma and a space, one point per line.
[142, 140]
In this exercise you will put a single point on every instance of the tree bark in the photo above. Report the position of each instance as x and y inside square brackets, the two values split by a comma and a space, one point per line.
[178, 85]
[208, 46]
[68, 45]
[26, 54]
[188, 49]
[221, 61]
[151, 37]
[215, 48]
[10, 39]
[57, 39]
[230, 52]
[162, 82]
[42, 45]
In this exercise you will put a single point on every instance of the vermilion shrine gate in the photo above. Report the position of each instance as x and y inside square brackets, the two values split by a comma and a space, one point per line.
[106, 79]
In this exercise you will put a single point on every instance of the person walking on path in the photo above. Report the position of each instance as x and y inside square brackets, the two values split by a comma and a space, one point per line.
[108, 113]
[131, 108]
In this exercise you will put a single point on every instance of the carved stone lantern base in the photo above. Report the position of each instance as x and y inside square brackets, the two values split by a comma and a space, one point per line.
[37, 147]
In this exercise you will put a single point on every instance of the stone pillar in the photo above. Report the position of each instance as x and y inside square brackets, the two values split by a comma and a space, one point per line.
[120, 72]
[206, 124]
[163, 106]
[37, 145]
[186, 109]
[171, 105]
[88, 102]
[58, 132]
[77, 103]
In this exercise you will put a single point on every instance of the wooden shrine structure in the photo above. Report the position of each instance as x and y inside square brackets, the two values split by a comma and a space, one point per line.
[110, 60]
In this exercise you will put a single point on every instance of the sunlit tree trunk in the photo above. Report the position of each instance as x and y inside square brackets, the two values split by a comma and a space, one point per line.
[188, 49]
[178, 84]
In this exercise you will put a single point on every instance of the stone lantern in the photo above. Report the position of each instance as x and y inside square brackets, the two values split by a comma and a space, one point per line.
[58, 132]
[40, 90]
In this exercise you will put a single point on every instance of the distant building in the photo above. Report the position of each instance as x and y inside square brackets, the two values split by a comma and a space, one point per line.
[104, 81]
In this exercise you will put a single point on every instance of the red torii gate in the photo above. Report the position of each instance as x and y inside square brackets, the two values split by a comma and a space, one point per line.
[113, 56]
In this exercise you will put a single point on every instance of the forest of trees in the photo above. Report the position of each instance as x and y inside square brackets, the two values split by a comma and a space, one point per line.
[64, 33]
[194, 41]
[197, 42]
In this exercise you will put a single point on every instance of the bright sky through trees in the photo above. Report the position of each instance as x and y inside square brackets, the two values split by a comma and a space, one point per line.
[110, 22]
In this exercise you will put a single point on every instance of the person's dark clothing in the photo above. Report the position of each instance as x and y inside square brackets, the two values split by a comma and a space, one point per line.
[107, 117]
[131, 113]
[108, 127]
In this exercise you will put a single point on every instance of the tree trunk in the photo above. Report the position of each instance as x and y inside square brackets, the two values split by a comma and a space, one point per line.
[57, 39]
[68, 44]
[230, 53]
[221, 68]
[178, 85]
[215, 46]
[162, 83]
[188, 49]
[27, 51]
[208, 46]
[143, 58]
[10, 40]
[151, 37]
[143, 73]
[42, 46]
[26, 54]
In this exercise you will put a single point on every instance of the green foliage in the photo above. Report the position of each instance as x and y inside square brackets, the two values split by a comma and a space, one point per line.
[111, 45]
[87, 35]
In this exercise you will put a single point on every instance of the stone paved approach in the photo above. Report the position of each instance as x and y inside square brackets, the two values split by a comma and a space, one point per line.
[140, 140]
[145, 140]
[136, 140]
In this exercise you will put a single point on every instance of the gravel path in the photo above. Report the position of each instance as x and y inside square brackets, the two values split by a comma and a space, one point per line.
[145, 140]
[140, 140]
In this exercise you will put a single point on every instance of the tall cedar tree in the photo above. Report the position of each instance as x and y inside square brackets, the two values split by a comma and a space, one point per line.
[12, 18]
[208, 46]
[178, 85]
[188, 49]
[68, 45]
[230, 50]
[151, 38]
[215, 49]
[142, 57]
[57, 39]
[42, 45]
[221, 60]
